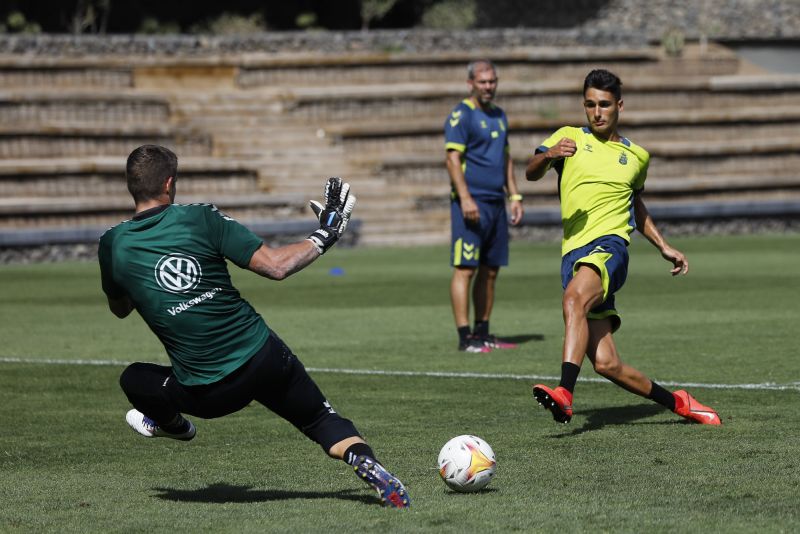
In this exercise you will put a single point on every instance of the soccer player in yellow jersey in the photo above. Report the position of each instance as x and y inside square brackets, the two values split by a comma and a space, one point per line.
[601, 177]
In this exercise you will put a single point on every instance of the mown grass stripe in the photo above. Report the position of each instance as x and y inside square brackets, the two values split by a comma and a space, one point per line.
[763, 386]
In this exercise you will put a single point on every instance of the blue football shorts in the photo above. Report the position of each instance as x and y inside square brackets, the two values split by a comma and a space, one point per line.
[483, 243]
[609, 256]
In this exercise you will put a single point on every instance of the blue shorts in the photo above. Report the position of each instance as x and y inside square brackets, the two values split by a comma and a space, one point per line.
[609, 256]
[483, 243]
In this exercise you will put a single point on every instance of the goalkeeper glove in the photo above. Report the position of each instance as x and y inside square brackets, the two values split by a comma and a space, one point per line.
[333, 216]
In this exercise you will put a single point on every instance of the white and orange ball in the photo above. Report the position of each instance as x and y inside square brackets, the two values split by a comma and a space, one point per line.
[467, 463]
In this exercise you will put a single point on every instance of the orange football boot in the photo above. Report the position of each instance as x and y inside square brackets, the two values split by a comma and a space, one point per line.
[686, 406]
[558, 401]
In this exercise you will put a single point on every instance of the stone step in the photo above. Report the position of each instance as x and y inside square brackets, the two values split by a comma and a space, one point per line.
[426, 134]
[106, 176]
[667, 158]
[117, 203]
[58, 105]
[549, 98]
[418, 239]
[55, 139]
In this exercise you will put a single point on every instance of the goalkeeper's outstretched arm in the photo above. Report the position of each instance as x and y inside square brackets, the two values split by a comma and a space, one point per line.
[281, 262]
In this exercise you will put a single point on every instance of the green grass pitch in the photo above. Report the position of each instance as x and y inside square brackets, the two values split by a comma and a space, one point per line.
[69, 463]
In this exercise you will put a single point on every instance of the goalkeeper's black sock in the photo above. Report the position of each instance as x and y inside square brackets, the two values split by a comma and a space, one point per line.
[178, 425]
[662, 396]
[569, 375]
[481, 329]
[463, 334]
[358, 449]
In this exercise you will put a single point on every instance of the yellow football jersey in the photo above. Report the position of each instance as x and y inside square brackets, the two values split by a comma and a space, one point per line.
[596, 186]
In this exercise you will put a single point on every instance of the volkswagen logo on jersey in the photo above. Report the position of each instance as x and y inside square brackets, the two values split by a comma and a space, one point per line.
[178, 273]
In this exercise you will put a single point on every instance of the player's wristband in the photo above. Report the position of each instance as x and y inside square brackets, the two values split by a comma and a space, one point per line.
[323, 239]
[515, 197]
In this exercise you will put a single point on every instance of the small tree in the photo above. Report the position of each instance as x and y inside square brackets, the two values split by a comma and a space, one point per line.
[372, 10]
[90, 16]
[451, 15]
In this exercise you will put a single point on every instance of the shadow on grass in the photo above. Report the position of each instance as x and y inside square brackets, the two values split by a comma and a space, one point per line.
[466, 494]
[226, 493]
[522, 338]
[617, 415]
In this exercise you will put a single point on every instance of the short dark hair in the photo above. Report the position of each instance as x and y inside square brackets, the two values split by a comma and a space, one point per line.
[147, 169]
[473, 66]
[605, 81]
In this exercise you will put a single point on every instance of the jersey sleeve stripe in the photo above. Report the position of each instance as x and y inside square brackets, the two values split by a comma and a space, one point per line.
[455, 146]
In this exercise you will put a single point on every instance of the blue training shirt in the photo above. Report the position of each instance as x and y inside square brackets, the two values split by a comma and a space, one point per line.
[482, 139]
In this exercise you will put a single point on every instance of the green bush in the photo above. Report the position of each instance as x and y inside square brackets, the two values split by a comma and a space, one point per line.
[451, 15]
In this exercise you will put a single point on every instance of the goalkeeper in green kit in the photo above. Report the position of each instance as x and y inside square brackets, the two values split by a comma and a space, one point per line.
[168, 262]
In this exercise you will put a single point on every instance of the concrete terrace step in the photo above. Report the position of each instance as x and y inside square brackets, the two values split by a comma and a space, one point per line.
[425, 134]
[48, 139]
[434, 125]
[270, 229]
[522, 63]
[549, 98]
[422, 238]
[39, 105]
[259, 68]
[102, 175]
[651, 84]
[103, 204]
[665, 150]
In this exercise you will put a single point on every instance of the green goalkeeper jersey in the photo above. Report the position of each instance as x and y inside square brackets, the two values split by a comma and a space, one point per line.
[170, 262]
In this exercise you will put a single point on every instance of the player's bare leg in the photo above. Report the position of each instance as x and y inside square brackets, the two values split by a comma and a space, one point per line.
[459, 298]
[584, 292]
[602, 352]
[483, 292]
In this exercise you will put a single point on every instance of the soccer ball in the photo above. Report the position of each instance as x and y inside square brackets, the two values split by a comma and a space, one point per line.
[466, 463]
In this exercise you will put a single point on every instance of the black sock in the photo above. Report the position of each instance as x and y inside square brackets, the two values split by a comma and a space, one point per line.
[463, 334]
[481, 328]
[356, 450]
[569, 375]
[662, 396]
[178, 425]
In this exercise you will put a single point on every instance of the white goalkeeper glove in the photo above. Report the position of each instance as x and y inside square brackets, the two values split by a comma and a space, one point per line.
[333, 216]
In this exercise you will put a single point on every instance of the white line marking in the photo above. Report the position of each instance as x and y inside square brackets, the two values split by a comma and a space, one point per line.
[763, 386]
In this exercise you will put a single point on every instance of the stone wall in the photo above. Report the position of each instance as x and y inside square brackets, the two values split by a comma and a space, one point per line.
[729, 20]
[608, 23]
[388, 41]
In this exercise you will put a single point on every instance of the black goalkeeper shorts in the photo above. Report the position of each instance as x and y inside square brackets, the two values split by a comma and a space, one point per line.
[273, 377]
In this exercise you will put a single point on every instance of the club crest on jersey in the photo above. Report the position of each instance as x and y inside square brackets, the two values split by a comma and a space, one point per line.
[178, 273]
[623, 159]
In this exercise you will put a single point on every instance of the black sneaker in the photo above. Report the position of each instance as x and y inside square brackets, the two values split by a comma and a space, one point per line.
[473, 344]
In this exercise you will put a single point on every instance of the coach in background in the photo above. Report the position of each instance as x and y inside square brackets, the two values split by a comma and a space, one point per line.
[168, 262]
[482, 176]
[601, 177]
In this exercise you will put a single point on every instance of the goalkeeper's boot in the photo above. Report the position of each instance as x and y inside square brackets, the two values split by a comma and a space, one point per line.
[473, 344]
[494, 342]
[182, 429]
[688, 407]
[389, 488]
[558, 401]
